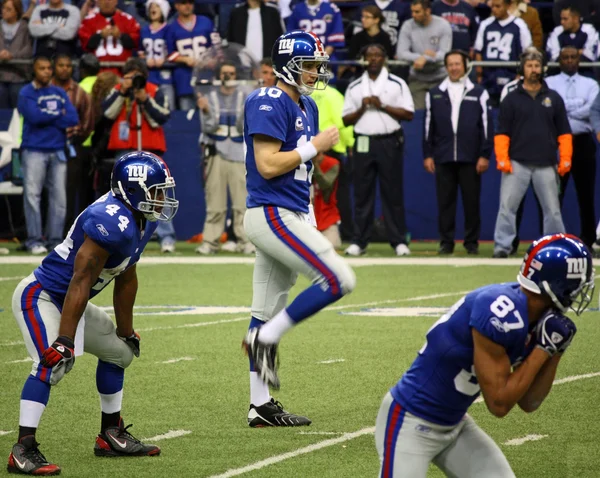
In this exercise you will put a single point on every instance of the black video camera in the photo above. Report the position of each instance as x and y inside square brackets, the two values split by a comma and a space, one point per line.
[138, 82]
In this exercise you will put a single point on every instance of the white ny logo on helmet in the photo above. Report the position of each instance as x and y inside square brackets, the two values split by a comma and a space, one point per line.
[137, 173]
[286, 45]
[577, 267]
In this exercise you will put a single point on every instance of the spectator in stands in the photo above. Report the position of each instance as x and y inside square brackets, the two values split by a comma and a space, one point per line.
[324, 19]
[188, 38]
[222, 128]
[332, 202]
[54, 26]
[139, 110]
[500, 37]
[372, 20]
[154, 47]
[571, 32]
[424, 41]
[15, 44]
[395, 12]
[530, 15]
[532, 121]
[267, 76]
[579, 92]
[589, 10]
[256, 25]
[76, 135]
[375, 104]
[109, 33]
[462, 18]
[47, 114]
[457, 145]
[101, 158]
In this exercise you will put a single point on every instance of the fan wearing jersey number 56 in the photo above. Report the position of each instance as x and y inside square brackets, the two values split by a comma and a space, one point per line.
[503, 340]
[58, 323]
[281, 138]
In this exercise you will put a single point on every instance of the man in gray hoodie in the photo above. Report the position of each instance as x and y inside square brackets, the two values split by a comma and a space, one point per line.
[424, 41]
[54, 25]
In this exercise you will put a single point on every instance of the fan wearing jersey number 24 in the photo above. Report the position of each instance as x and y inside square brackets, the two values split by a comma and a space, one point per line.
[502, 340]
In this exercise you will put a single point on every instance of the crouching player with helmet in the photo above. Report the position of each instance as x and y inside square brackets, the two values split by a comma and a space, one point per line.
[504, 341]
[58, 323]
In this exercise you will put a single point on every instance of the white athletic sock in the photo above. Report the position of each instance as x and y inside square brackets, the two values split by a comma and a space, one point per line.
[111, 403]
[31, 413]
[259, 390]
[274, 329]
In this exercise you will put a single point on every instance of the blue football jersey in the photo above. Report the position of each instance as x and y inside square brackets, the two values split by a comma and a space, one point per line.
[272, 112]
[193, 42]
[502, 40]
[111, 225]
[324, 20]
[155, 48]
[441, 384]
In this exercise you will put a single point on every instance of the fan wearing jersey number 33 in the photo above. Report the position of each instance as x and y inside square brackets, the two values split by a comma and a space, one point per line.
[502, 340]
[280, 140]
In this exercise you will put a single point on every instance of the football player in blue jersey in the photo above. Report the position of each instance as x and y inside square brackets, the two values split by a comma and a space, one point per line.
[281, 138]
[503, 340]
[58, 323]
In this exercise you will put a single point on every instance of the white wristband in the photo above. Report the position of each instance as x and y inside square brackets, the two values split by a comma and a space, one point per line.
[307, 152]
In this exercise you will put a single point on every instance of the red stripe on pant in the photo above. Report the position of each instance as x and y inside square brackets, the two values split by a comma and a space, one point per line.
[388, 454]
[38, 340]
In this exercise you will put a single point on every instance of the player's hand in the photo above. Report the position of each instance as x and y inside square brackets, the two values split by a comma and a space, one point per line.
[133, 341]
[504, 165]
[376, 102]
[482, 165]
[61, 352]
[326, 139]
[554, 333]
[429, 165]
[564, 166]
[366, 102]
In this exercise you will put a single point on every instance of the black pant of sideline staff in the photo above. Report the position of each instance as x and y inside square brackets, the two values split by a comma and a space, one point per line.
[385, 160]
[583, 170]
[448, 178]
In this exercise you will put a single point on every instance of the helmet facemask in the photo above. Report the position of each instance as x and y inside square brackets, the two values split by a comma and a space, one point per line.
[578, 300]
[160, 203]
[293, 71]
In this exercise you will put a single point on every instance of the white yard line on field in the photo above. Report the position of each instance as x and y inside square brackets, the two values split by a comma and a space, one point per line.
[11, 278]
[332, 361]
[320, 433]
[28, 359]
[168, 435]
[520, 441]
[195, 324]
[11, 343]
[351, 436]
[5, 432]
[180, 359]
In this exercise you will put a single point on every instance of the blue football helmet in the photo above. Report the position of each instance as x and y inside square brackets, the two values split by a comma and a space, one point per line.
[559, 266]
[143, 181]
[293, 48]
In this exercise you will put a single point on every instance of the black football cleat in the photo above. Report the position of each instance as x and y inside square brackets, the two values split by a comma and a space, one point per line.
[117, 441]
[26, 459]
[272, 414]
[264, 357]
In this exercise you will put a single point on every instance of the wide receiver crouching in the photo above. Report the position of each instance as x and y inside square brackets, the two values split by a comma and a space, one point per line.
[58, 323]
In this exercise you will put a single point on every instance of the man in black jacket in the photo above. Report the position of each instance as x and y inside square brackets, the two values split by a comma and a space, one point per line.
[256, 25]
[457, 145]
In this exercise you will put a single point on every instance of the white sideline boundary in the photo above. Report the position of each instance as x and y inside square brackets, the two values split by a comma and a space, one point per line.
[353, 261]
[167, 436]
[364, 431]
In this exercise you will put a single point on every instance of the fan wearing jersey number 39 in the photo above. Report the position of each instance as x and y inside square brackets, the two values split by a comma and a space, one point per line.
[280, 139]
[503, 340]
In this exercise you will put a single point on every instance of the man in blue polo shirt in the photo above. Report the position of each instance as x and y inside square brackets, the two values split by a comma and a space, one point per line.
[47, 113]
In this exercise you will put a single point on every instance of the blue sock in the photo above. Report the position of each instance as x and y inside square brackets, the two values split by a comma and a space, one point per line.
[109, 378]
[254, 322]
[312, 300]
[35, 390]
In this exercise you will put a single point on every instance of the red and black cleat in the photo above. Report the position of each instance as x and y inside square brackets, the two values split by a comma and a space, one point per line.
[117, 441]
[26, 459]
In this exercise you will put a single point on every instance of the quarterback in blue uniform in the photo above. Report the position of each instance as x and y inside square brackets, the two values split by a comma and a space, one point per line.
[281, 138]
[58, 323]
[504, 341]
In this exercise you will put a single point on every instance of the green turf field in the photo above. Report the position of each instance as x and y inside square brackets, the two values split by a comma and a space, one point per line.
[192, 377]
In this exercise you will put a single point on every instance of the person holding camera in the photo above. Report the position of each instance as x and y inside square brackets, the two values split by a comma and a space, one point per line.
[222, 116]
[139, 110]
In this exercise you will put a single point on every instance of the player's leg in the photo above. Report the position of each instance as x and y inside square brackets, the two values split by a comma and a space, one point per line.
[39, 320]
[114, 356]
[272, 282]
[405, 444]
[215, 192]
[289, 239]
[473, 454]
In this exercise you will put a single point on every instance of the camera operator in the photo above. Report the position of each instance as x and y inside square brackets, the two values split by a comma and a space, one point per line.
[222, 119]
[139, 109]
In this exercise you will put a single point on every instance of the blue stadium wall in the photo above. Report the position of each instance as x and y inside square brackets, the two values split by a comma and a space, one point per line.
[183, 157]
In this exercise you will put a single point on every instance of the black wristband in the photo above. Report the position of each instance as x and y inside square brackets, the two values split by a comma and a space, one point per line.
[66, 341]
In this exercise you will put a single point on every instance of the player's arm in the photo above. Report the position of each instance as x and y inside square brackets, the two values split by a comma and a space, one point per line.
[89, 262]
[501, 388]
[541, 386]
[126, 286]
